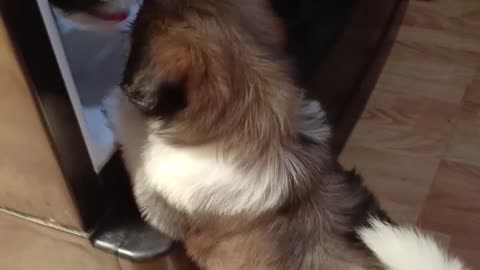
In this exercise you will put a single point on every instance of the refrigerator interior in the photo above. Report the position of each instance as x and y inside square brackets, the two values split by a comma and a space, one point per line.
[91, 62]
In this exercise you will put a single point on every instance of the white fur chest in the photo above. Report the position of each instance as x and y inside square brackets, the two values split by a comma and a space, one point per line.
[199, 178]
[189, 178]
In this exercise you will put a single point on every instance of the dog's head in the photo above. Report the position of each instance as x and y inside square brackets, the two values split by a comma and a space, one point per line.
[206, 68]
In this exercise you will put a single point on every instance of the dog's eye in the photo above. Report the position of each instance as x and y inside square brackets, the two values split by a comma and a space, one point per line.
[168, 99]
[140, 100]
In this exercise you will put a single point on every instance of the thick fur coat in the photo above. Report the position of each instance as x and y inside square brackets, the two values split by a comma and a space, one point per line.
[227, 156]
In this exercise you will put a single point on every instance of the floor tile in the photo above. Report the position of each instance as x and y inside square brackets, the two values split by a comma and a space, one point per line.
[405, 124]
[400, 189]
[26, 245]
[453, 207]
[472, 94]
[465, 143]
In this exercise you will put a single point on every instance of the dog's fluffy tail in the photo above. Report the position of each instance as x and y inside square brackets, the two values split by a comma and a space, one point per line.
[403, 248]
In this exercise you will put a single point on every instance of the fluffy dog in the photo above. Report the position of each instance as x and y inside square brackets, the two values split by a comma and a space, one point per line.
[226, 155]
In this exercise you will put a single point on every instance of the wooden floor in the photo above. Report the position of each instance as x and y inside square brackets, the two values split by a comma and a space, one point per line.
[418, 141]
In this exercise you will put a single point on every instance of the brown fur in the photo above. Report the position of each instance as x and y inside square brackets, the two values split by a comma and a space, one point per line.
[214, 70]
[232, 89]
